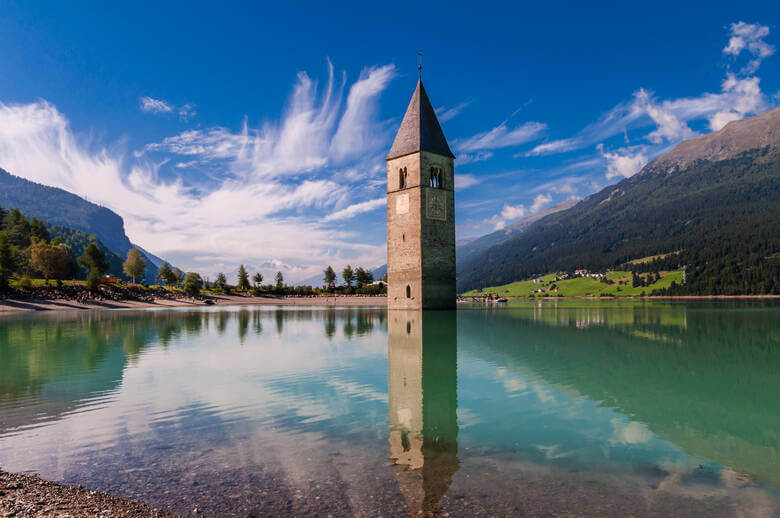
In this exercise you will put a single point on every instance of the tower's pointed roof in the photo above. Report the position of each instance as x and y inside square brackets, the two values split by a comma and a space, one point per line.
[420, 129]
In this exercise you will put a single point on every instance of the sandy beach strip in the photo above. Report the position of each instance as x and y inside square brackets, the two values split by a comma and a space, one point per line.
[26, 305]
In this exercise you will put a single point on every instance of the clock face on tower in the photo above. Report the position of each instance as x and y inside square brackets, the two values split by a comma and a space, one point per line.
[437, 206]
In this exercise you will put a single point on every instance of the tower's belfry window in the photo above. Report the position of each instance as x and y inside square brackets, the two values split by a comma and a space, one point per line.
[403, 181]
[435, 178]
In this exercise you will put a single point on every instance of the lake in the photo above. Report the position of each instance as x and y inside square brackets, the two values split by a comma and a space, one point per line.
[589, 408]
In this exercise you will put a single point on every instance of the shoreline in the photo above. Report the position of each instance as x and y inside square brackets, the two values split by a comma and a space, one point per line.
[24, 494]
[18, 305]
[512, 298]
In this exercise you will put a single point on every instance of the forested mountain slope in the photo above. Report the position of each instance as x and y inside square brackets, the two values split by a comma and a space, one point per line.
[20, 232]
[714, 199]
[476, 246]
[59, 207]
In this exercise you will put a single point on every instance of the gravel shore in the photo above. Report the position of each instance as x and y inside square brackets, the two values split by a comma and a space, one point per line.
[24, 305]
[30, 495]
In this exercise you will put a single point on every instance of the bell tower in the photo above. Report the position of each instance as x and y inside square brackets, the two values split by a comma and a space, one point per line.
[420, 212]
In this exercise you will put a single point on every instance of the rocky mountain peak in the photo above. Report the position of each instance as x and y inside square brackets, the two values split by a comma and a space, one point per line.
[735, 137]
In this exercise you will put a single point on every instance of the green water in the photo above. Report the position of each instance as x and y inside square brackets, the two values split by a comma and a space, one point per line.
[598, 409]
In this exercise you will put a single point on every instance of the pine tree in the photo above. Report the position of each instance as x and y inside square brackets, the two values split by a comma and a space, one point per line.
[6, 261]
[348, 275]
[330, 277]
[243, 278]
[94, 260]
[279, 280]
[165, 274]
[363, 277]
[220, 283]
[38, 229]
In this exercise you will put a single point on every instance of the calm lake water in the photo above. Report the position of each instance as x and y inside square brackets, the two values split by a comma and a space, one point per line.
[618, 408]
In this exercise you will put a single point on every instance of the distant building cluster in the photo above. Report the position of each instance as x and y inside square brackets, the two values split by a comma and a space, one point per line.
[586, 273]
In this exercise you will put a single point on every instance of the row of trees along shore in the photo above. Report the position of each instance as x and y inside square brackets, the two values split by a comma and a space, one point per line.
[31, 248]
[358, 281]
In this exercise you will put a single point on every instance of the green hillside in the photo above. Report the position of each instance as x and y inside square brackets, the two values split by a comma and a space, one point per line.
[722, 217]
[618, 283]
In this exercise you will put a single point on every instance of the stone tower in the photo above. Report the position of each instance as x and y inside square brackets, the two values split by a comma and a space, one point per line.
[420, 212]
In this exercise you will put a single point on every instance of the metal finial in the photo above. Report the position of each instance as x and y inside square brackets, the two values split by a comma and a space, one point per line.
[419, 65]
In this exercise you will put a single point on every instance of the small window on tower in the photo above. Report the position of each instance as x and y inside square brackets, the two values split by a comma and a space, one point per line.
[408, 292]
[435, 179]
[402, 178]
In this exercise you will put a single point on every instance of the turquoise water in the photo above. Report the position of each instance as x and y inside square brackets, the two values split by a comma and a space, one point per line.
[618, 409]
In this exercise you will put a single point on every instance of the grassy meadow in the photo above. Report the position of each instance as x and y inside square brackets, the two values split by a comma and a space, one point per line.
[581, 286]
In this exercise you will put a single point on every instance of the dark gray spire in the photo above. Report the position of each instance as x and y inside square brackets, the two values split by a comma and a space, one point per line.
[420, 130]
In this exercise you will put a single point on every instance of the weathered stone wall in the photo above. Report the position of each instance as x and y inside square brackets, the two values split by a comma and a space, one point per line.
[420, 233]
[403, 234]
[438, 236]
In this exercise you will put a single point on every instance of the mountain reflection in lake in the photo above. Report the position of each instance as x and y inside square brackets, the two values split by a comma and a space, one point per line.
[539, 409]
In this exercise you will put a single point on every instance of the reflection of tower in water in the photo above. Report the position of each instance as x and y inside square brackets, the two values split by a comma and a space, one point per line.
[422, 388]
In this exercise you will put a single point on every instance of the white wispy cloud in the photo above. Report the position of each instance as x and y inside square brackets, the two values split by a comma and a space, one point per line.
[540, 201]
[744, 97]
[271, 186]
[669, 127]
[150, 105]
[739, 97]
[502, 136]
[564, 188]
[749, 38]
[556, 146]
[186, 112]
[625, 162]
[310, 137]
[355, 209]
[470, 158]
[208, 144]
[464, 181]
[509, 212]
[445, 114]
[357, 132]
[159, 106]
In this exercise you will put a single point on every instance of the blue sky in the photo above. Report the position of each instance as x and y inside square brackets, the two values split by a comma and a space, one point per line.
[256, 133]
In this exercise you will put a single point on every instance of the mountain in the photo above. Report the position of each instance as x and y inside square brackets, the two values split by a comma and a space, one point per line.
[317, 280]
[468, 249]
[379, 272]
[757, 132]
[711, 200]
[61, 208]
